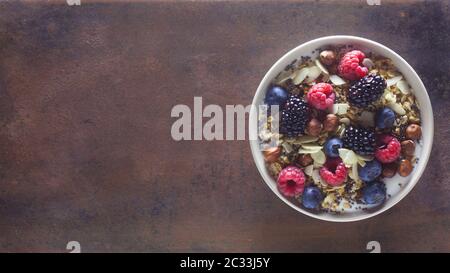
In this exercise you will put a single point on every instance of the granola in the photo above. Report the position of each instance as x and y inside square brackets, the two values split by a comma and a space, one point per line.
[348, 120]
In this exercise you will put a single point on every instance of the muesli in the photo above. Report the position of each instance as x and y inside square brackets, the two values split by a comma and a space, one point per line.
[348, 119]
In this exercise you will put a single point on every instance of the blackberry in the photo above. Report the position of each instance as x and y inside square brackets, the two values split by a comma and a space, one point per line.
[360, 140]
[294, 117]
[366, 90]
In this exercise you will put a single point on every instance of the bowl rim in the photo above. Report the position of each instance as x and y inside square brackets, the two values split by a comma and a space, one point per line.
[425, 104]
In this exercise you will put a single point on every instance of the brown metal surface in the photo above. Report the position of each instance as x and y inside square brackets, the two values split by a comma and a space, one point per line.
[86, 151]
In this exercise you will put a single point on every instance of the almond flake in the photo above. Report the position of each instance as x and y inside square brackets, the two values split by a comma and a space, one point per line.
[336, 80]
[321, 67]
[316, 176]
[309, 170]
[355, 172]
[301, 75]
[389, 96]
[313, 73]
[348, 157]
[404, 87]
[307, 151]
[340, 108]
[287, 147]
[368, 63]
[304, 139]
[393, 81]
[319, 157]
[346, 121]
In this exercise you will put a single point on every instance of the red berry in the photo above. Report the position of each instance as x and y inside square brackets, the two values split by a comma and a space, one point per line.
[349, 67]
[388, 150]
[321, 96]
[291, 181]
[333, 172]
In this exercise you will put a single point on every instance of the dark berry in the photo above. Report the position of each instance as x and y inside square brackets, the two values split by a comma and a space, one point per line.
[384, 118]
[294, 117]
[331, 147]
[360, 140]
[312, 197]
[370, 171]
[374, 193]
[367, 90]
[276, 95]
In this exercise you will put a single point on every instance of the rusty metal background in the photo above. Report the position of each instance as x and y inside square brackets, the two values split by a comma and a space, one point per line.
[85, 147]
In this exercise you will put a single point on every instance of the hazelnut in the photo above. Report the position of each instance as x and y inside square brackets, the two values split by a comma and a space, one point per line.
[413, 131]
[408, 147]
[314, 127]
[330, 123]
[389, 170]
[327, 57]
[405, 167]
[332, 69]
[305, 160]
[272, 154]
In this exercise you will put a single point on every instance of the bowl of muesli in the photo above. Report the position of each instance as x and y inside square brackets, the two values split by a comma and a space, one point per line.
[344, 128]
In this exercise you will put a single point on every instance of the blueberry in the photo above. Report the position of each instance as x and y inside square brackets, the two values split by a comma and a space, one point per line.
[276, 95]
[374, 193]
[332, 145]
[370, 171]
[385, 118]
[312, 197]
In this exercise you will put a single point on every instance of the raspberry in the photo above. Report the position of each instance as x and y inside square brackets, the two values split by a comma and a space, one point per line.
[349, 67]
[291, 181]
[321, 96]
[389, 150]
[333, 172]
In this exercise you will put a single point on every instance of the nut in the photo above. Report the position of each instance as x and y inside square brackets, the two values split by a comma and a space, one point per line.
[405, 167]
[314, 127]
[413, 131]
[330, 123]
[272, 154]
[345, 121]
[327, 57]
[332, 69]
[390, 169]
[408, 147]
[305, 160]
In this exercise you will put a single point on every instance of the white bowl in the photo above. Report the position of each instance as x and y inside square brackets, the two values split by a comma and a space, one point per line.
[422, 151]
